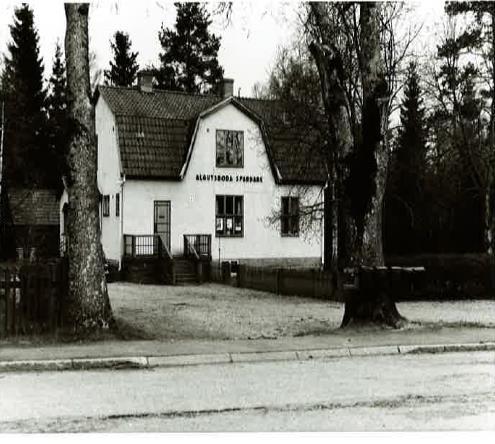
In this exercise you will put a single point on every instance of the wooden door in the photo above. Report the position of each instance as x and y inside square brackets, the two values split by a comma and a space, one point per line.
[162, 221]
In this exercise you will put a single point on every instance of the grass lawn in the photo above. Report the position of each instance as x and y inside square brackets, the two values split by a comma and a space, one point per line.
[213, 311]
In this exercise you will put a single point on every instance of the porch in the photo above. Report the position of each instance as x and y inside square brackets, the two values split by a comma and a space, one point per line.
[148, 259]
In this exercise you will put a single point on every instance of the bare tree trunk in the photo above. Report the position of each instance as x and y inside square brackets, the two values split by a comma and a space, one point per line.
[490, 195]
[373, 303]
[330, 69]
[88, 308]
[374, 128]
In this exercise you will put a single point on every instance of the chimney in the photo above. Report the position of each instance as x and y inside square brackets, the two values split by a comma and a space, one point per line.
[227, 88]
[145, 81]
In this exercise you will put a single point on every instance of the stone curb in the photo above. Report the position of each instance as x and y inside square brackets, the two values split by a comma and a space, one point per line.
[147, 362]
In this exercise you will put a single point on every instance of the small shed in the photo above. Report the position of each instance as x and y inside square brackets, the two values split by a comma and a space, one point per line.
[32, 222]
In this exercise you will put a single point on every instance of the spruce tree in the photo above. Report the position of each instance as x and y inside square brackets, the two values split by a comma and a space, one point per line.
[405, 190]
[25, 142]
[189, 61]
[123, 68]
[58, 112]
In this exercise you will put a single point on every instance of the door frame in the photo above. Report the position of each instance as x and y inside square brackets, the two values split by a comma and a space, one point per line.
[165, 203]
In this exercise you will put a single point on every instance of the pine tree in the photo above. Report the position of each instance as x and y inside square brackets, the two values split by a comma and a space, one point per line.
[189, 61]
[405, 188]
[123, 68]
[58, 111]
[25, 143]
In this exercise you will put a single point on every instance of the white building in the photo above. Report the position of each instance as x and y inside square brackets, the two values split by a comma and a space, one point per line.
[172, 164]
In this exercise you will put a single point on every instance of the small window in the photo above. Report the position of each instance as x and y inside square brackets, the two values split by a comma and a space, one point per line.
[117, 205]
[106, 206]
[230, 149]
[289, 218]
[229, 220]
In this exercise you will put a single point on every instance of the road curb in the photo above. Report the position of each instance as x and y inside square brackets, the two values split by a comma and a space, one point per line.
[149, 362]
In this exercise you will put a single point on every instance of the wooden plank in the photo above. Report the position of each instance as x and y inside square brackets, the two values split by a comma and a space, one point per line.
[10, 307]
[3, 307]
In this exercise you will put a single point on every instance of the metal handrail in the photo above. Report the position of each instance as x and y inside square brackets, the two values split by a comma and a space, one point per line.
[192, 250]
[200, 243]
[168, 254]
[142, 245]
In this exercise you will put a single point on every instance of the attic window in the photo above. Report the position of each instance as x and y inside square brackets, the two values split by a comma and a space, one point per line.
[230, 149]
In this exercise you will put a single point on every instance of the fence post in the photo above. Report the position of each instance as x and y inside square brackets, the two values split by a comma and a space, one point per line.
[240, 275]
[279, 280]
[62, 290]
[9, 305]
[3, 305]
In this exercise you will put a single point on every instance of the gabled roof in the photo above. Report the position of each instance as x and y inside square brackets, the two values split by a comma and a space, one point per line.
[33, 206]
[155, 130]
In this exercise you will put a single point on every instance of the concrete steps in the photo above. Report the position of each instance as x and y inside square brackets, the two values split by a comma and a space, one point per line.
[185, 272]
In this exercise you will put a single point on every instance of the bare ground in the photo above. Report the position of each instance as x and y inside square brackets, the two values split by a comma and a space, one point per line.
[213, 311]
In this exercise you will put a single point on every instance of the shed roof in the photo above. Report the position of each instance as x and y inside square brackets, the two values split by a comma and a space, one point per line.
[33, 206]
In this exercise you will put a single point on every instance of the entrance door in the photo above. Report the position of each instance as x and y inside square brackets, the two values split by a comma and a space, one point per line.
[162, 221]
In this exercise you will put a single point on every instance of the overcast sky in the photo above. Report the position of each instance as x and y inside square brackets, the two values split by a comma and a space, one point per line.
[248, 46]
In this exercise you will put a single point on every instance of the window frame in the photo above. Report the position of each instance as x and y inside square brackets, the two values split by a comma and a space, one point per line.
[225, 165]
[117, 204]
[234, 216]
[105, 205]
[292, 217]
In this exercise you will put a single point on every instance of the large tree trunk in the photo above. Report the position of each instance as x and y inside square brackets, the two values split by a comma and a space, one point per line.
[373, 303]
[490, 197]
[88, 307]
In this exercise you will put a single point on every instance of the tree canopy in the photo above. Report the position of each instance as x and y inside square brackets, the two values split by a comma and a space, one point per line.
[27, 158]
[189, 60]
[404, 198]
[57, 107]
[123, 67]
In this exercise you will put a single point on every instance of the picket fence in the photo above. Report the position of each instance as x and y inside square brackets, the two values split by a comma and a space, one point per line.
[31, 297]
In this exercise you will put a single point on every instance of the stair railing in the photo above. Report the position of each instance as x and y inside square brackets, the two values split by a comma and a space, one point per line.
[168, 261]
[191, 253]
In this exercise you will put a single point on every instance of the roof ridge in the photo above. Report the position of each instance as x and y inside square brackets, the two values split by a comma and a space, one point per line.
[186, 93]
[160, 90]
[122, 114]
[257, 99]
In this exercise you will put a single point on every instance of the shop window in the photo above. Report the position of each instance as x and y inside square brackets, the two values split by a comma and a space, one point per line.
[229, 220]
[230, 149]
[289, 218]
[117, 205]
[106, 206]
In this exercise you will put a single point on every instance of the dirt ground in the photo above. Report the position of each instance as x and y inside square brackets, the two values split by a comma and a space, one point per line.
[213, 311]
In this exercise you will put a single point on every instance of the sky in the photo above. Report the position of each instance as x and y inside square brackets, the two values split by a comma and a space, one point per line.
[248, 46]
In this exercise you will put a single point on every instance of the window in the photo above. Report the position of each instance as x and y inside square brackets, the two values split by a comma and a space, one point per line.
[117, 205]
[106, 206]
[229, 220]
[230, 149]
[290, 216]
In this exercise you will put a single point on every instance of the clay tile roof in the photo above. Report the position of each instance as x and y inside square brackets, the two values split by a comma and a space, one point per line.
[34, 207]
[155, 130]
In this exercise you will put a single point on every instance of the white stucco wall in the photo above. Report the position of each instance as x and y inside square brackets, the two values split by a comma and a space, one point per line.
[109, 178]
[193, 201]
[63, 200]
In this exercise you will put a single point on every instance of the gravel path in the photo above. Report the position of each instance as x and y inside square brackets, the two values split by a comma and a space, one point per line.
[213, 311]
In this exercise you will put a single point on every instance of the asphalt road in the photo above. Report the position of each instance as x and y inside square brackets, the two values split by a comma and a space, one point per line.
[449, 391]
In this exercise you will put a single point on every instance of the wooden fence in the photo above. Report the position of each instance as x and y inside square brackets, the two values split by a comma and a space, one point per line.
[31, 297]
[309, 283]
